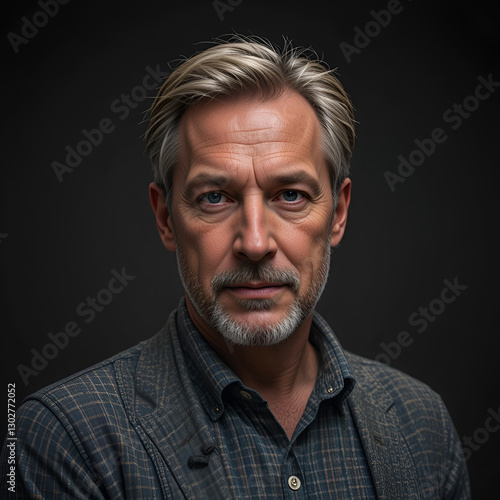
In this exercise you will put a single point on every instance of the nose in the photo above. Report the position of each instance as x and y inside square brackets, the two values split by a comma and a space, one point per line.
[254, 237]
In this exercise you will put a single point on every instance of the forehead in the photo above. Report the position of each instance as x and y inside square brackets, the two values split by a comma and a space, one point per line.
[241, 127]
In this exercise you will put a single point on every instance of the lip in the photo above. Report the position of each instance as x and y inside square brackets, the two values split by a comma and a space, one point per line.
[256, 290]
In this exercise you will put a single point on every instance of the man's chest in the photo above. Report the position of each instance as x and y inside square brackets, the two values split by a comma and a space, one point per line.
[324, 460]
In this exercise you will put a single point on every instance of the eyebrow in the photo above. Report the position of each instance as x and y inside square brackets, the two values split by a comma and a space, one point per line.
[210, 179]
[288, 178]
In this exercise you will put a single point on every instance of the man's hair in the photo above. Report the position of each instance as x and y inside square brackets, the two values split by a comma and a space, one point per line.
[249, 65]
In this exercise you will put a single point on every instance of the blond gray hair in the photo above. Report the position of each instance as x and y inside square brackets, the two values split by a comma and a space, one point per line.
[251, 65]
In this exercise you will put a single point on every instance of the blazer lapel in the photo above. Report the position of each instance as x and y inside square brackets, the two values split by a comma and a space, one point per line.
[166, 413]
[177, 437]
[391, 464]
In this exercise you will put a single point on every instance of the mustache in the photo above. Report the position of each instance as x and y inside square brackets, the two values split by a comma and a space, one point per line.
[255, 272]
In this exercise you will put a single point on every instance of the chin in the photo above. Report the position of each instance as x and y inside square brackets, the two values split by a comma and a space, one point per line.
[256, 330]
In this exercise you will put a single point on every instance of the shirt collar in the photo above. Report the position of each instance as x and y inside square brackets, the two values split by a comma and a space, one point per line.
[335, 378]
[211, 376]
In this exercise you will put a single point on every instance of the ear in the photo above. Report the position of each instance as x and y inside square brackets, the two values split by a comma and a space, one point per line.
[163, 218]
[340, 220]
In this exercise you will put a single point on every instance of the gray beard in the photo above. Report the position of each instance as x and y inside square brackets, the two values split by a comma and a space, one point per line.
[212, 312]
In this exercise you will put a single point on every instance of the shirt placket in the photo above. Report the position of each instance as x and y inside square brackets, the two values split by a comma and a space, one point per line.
[292, 477]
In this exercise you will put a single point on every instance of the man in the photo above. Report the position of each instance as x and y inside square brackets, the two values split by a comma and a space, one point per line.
[245, 393]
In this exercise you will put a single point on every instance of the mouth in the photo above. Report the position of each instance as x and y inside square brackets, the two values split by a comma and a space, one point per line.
[256, 290]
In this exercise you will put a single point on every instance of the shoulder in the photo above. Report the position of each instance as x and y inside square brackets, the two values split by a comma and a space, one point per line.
[105, 395]
[65, 415]
[420, 411]
[386, 396]
[385, 387]
[399, 386]
[97, 399]
[80, 431]
[97, 382]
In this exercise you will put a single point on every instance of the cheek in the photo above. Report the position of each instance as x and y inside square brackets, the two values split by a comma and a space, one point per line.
[305, 244]
[206, 249]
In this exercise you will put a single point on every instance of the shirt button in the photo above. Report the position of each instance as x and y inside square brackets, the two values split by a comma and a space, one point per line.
[245, 395]
[329, 390]
[294, 483]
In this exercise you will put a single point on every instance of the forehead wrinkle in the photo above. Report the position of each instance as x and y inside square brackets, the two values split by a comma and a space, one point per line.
[212, 134]
[250, 136]
[247, 128]
[245, 139]
[273, 135]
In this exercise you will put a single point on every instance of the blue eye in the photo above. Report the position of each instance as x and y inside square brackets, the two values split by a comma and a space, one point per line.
[291, 195]
[213, 198]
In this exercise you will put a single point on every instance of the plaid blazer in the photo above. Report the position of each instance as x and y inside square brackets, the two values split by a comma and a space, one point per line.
[118, 430]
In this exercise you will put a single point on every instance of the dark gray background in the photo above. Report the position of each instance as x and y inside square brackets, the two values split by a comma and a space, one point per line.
[63, 239]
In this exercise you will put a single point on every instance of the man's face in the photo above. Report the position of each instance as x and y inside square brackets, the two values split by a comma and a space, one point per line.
[252, 211]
